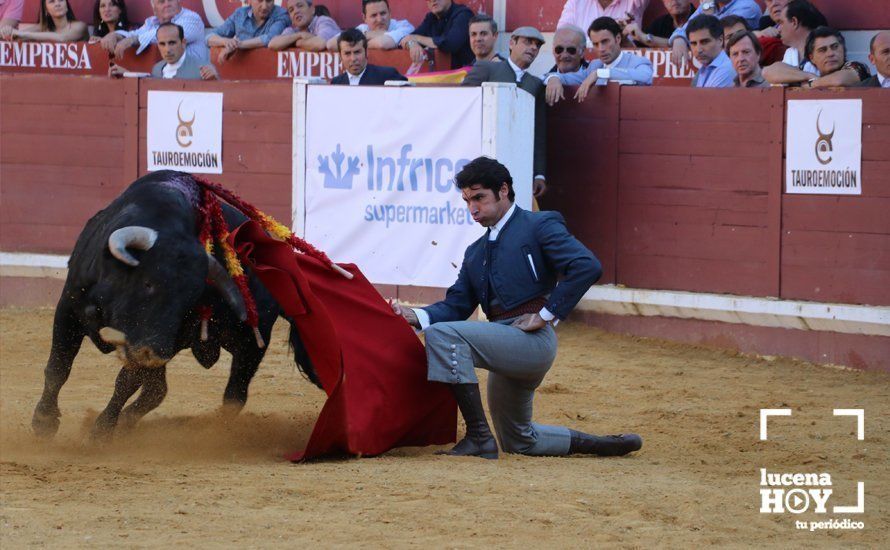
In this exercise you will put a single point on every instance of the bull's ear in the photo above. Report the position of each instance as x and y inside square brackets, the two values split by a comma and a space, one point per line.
[131, 236]
[220, 279]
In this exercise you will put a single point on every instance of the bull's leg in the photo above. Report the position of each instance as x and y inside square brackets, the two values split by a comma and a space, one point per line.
[244, 366]
[67, 337]
[154, 389]
[127, 382]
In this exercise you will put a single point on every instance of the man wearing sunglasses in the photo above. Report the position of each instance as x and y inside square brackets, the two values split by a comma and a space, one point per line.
[568, 50]
[612, 64]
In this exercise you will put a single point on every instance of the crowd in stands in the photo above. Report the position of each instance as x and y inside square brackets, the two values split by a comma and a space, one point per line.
[792, 41]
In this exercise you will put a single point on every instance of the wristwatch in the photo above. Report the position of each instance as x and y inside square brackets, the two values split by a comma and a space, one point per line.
[649, 38]
[705, 6]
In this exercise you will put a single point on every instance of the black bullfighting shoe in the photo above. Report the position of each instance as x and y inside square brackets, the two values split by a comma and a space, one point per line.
[604, 445]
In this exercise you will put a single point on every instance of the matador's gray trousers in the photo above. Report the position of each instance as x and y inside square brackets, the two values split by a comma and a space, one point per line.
[517, 362]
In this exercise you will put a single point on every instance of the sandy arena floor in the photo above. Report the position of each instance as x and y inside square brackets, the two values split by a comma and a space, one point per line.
[184, 477]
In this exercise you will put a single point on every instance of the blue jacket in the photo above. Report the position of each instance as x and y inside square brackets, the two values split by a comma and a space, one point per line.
[532, 252]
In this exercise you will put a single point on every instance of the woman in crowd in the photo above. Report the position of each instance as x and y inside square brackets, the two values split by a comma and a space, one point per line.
[109, 16]
[55, 24]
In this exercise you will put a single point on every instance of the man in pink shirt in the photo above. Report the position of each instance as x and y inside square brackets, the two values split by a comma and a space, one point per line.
[10, 13]
[581, 13]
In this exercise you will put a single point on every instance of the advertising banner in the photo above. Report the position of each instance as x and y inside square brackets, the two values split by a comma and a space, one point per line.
[824, 147]
[185, 132]
[379, 179]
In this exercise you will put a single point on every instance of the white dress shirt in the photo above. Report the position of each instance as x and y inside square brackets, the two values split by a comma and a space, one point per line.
[170, 70]
[354, 80]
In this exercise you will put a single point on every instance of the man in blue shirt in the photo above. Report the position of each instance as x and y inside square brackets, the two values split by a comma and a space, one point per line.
[748, 10]
[705, 35]
[446, 27]
[611, 64]
[249, 27]
[526, 273]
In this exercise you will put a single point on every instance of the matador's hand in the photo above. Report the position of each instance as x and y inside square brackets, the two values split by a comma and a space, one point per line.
[406, 312]
[529, 322]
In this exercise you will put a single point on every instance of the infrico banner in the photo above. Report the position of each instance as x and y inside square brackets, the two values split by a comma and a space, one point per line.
[824, 147]
[379, 189]
[185, 131]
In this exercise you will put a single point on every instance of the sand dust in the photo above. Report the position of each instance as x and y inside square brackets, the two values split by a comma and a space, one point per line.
[183, 476]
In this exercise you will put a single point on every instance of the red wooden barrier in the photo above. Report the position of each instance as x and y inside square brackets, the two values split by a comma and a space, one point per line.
[837, 248]
[696, 183]
[61, 152]
[673, 188]
[582, 170]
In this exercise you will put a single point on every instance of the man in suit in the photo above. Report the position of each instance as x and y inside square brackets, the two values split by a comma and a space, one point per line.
[526, 272]
[174, 61]
[353, 47]
[879, 55]
[611, 64]
[525, 43]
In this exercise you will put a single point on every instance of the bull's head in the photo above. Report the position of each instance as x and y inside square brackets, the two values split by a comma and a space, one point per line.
[147, 302]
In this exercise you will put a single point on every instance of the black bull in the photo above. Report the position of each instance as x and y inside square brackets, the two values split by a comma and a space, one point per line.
[137, 278]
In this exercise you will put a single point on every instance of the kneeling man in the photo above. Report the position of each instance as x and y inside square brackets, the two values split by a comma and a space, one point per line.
[526, 272]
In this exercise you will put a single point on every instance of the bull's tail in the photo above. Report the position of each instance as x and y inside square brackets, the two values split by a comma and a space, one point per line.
[301, 357]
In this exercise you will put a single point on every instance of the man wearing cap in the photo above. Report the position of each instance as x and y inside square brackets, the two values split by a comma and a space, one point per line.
[525, 43]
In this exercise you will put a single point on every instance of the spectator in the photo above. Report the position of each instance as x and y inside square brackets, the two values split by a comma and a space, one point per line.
[109, 16]
[657, 33]
[747, 9]
[10, 15]
[569, 44]
[879, 55]
[382, 31]
[249, 27]
[56, 23]
[174, 62]
[768, 33]
[165, 11]
[827, 51]
[353, 48]
[744, 52]
[768, 24]
[796, 23]
[525, 43]
[310, 31]
[483, 37]
[446, 27]
[705, 35]
[733, 24]
[611, 64]
[581, 13]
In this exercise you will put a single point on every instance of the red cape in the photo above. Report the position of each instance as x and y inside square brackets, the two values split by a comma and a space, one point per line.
[369, 361]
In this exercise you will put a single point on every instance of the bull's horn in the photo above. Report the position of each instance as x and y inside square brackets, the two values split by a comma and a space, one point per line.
[112, 336]
[227, 287]
[132, 236]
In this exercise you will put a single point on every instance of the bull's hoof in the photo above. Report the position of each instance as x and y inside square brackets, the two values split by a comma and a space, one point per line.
[45, 423]
[103, 429]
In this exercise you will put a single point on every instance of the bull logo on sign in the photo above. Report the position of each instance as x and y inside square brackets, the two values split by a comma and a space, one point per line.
[823, 143]
[184, 131]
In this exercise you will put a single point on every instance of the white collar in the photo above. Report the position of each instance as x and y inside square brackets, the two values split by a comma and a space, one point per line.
[519, 72]
[170, 70]
[617, 60]
[496, 229]
[356, 79]
[881, 79]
